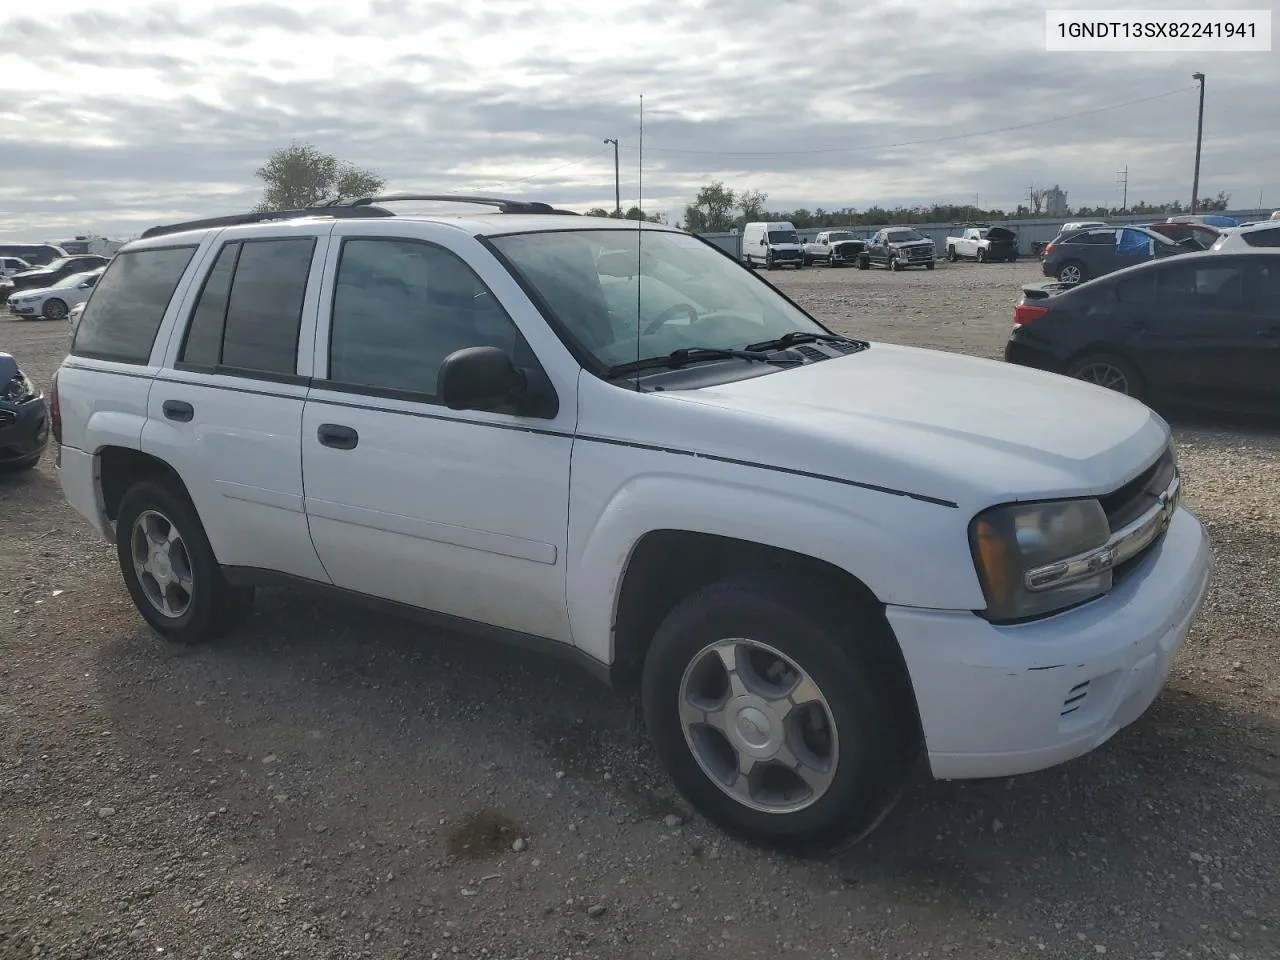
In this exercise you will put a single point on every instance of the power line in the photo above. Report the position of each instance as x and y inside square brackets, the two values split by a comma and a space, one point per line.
[562, 166]
[912, 143]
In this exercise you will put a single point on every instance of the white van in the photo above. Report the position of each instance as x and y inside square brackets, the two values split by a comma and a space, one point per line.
[772, 244]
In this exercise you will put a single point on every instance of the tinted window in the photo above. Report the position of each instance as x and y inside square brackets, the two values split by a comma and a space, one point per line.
[1262, 238]
[1262, 284]
[1140, 288]
[264, 309]
[400, 307]
[203, 346]
[1210, 284]
[124, 313]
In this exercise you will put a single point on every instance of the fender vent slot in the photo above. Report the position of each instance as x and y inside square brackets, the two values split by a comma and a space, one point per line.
[1075, 698]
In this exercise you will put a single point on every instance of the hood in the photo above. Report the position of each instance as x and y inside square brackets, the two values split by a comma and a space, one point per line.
[911, 243]
[944, 426]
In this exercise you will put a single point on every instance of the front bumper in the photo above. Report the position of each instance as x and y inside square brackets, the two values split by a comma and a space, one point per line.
[24, 310]
[996, 701]
[24, 430]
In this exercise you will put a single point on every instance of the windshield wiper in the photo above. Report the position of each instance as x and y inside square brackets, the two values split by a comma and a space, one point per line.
[800, 336]
[678, 358]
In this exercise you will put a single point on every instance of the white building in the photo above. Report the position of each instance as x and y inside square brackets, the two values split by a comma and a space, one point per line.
[1055, 202]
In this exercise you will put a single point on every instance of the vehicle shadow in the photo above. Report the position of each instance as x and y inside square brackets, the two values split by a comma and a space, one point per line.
[368, 726]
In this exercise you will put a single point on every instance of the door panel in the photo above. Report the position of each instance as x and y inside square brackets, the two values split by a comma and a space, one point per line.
[461, 512]
[233, 430]
[1197, 334]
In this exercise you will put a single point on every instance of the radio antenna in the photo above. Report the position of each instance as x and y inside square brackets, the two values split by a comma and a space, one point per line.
[639, 229]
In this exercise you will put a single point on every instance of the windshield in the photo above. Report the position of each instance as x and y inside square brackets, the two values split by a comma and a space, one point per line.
[783, 236]
[902, 236]
[690, 294]
[839, 235]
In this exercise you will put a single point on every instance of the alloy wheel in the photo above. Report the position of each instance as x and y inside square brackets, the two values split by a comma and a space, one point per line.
[758, 726]
[162, 563]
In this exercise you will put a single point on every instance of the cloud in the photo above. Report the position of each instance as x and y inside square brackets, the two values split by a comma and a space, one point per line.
[112, 117]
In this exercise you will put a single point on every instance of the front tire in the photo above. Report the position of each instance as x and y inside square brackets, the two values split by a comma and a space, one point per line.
[951, 254]
[54, 309]
[169, 567]
[779, 712]
[894, 265]
[982, 255]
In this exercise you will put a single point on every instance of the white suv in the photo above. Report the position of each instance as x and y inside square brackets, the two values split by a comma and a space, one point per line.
[820, 559]
[1251, 237]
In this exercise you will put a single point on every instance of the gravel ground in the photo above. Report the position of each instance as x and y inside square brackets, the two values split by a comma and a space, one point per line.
[326, 783]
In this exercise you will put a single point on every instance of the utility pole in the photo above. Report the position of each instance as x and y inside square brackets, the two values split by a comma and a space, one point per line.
[1195, 183]
[1124, 178]
[617, 183]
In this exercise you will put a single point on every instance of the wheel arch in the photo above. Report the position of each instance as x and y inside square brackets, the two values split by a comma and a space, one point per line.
[667, 565]
[119, 468]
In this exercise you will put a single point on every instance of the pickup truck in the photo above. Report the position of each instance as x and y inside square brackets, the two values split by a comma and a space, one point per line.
[834, 248]
[983, 244]
[898, 248]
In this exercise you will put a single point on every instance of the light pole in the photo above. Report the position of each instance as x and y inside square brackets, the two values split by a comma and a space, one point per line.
[617, 185]
[1195, 183]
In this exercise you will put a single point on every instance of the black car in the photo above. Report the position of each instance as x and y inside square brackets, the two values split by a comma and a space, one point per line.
[1096, 251]
[24, 419]
[1198, 330]
[59, 269]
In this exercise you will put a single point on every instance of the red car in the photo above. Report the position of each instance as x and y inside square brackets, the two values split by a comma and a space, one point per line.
[1201, 233]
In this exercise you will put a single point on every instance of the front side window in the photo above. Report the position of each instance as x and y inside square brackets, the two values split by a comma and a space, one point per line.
[128, 304]
[400, 307]
[615, 302]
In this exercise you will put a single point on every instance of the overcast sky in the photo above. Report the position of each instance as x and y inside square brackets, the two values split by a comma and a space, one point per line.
[115, 116]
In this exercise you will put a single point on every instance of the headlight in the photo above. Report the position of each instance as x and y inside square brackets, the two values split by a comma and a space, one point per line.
[1010, 542]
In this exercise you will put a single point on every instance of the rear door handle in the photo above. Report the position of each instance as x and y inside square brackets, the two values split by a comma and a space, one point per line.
[178, 410]
[337, 436]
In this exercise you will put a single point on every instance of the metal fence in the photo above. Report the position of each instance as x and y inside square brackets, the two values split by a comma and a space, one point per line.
[1030, 232]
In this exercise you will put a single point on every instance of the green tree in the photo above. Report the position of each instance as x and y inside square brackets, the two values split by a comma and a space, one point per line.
[711, 210]
[301, 175]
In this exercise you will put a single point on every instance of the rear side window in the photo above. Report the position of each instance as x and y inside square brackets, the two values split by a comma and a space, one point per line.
[249, 311]
[129, 302]
[1262, 238]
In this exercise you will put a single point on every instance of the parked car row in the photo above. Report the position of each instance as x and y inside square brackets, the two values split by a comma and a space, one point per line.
[777, 244]
[49, 292]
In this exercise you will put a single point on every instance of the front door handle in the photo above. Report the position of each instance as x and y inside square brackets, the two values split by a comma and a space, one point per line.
[337, 436]
[178, 410]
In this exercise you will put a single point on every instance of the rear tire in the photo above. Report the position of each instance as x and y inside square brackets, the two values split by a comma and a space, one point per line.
[1071, 272]
[843, 710]
[169, 567]
[1109, 371]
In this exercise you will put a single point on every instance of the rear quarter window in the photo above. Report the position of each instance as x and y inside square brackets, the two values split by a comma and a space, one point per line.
[1262, 238]
[123, 316]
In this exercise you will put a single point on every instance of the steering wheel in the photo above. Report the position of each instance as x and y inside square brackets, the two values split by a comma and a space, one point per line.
[669, 314]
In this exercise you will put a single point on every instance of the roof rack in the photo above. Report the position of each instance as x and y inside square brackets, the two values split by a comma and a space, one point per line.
[504, 205]
[363, 207]
[236, 219]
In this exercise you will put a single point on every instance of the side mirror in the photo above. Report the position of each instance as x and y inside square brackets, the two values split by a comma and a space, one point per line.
[84, 286]
[479, 378]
